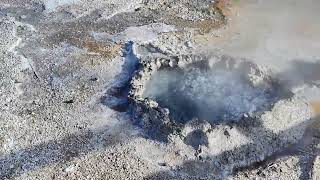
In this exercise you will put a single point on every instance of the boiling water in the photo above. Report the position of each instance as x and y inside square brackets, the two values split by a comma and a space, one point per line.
[212, 95]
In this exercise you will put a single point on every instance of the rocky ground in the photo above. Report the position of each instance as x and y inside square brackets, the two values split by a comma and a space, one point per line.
[65, 70]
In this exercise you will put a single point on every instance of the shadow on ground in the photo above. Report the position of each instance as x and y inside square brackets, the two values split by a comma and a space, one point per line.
[116, 97]
[206, 167]
[82, 143]
[74, 145]
[53, 152]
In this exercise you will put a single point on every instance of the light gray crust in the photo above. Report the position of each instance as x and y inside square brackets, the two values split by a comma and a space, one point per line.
[265, 136]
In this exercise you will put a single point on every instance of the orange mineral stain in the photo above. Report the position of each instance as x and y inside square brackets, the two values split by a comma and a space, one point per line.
[316, 109]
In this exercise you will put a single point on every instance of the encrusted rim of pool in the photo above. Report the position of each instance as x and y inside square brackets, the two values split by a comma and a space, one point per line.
[252, 139]
[257, 76]
[158, 124]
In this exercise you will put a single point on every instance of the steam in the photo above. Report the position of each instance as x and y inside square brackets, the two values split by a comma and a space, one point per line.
[303, 78]
[283, 35]
[212, 95]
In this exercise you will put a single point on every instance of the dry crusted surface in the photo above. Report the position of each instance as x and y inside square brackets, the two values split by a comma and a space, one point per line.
[58, 64]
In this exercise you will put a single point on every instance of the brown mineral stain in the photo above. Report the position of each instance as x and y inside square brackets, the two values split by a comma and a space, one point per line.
[224, 6]
[203, 26]
[316, 106]
[316, 109]
[229, 9]
[107, 51]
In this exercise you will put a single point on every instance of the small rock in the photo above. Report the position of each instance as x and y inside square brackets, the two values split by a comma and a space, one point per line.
[94, 79]
[162, 164]
[69, 101]
[172, 63]
[153, 104]
[69, 169]
[226, 133]
[189, 44]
